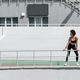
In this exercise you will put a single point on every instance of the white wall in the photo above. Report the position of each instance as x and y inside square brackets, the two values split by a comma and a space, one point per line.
[43, 31]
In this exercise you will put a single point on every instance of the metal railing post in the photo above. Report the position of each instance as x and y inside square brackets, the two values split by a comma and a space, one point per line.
[2, 30]
[17, 58]
[34, 57]
[68, 60]
[0, 58]
[51, 57]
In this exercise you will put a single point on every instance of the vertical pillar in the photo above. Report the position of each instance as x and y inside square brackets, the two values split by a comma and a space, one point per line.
[17, 58]
[34, 57]
[51, 57]
[0, 58]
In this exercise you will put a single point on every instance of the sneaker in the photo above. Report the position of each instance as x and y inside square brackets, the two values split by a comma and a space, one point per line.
[77, 63]
[65, 64]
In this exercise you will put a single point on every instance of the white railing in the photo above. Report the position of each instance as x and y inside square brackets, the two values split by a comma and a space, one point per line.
[40, 25]
[34, 56]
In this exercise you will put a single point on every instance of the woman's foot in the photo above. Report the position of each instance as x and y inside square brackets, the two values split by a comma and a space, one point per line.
[77, 63]
[65, 64]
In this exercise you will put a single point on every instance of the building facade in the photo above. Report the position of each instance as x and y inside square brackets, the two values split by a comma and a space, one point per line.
[37, 13]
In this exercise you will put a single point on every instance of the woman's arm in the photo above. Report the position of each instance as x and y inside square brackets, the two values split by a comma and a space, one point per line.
[77, 43]
[67, 44]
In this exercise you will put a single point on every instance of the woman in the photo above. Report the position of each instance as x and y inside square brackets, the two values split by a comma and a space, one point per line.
[72, 43]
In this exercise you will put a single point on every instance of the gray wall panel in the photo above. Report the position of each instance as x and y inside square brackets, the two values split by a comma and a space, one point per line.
[8, 10]
[37, 10]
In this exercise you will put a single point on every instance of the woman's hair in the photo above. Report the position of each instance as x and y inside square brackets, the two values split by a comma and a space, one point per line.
[73, 32]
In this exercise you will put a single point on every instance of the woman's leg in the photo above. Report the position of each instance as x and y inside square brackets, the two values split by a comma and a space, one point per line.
[68, 52]
[76, 52]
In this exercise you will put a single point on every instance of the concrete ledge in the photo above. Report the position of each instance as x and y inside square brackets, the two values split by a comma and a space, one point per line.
[39, 67]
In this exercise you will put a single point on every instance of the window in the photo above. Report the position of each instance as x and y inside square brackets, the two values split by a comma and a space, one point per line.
[15, 21]
[2, 21]
[31, 21]
[38, 21]
[45, 21]
[9, 21]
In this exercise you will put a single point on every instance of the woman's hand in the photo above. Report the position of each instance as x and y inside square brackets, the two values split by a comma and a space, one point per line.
[77, 49]
[64, 49]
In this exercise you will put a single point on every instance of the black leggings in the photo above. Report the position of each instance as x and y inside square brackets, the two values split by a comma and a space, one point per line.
[68, 52]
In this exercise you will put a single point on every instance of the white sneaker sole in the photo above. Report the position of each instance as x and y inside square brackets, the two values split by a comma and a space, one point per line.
[77, 64]
[65, 64]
